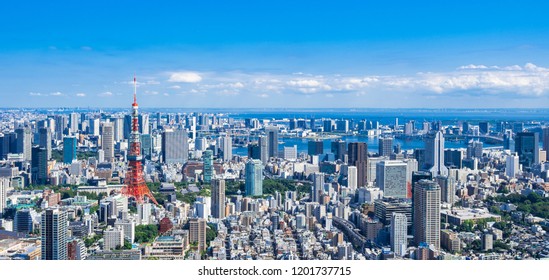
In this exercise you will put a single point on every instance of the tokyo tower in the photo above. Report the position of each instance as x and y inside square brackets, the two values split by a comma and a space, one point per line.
[135, 181]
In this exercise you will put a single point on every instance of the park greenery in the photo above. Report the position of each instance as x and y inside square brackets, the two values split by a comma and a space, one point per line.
[531, 204]
[145, 233]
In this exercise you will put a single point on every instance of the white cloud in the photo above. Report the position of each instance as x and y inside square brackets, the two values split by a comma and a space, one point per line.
[57, 93]
[106, 94]
[35, 94]
[80, 94]
[478, 79]
[148, 92]
[185, 77]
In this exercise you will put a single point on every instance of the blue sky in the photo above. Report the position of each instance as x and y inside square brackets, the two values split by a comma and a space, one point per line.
[275, 53]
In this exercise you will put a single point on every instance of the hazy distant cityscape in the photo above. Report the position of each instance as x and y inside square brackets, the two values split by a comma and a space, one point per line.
[337, 184]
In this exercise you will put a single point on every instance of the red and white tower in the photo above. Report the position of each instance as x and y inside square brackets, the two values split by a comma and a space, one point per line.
[135, 181]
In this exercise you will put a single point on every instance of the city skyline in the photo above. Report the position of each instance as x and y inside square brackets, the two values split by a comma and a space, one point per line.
[360, 55]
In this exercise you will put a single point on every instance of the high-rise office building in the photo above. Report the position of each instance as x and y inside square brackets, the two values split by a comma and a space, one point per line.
[39, 166]
[218, 199]
[358, 156]
[24, 142]
[107, 142]
[427, 213]
[45, 140]
[338, 149]
[385, 148]
[352, 177]
[399, 233]
[545, 139]
[113, 238]
[434, 153]
[146, 145]
[93, 129]
[447, 188]
[272, 136]
[61, 122]
[175, 147]
[74, 119]
[317, 189]
[226, 146]
[527, 148]
[4, 185]
[197, 233]
[23, 221]
[512, 166]
[290, 153]
[315, 147]
[254, 178]
[118, 129]
[474, 149]
[484, 127]
[54, 234]
[263, 143]
[391, 178]
[69, 149]
[207, 159]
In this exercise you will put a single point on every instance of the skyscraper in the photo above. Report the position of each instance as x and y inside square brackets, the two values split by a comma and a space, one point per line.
[391, 178]
[527, 148]
[399, 225]
[73, 122]
[94, 127]
[4, 185]
[317, 189]
[385, 148]
[175, 147]
[69, 149]
[107, 142]
[218, 199]
[272, 140]
[226, 145]
[45, 140]
[352, 177]
[54, 234]
[434, 153]
[263, 143]
[24, 142]
[315, 147]
[338, 149]
[207, 159]
[447, 189]
[427, 213]
[197, 233]
[39, 166]
[254, 178]
[358, 156]
[512, 166]
[545, 140]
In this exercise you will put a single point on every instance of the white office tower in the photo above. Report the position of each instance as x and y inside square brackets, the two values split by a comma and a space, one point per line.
[94, 127]
[512, 165]
[107, 141]
[434, 153]
[290, 153]
[128, 227]
[226, 145]
[144, 212]
[4, 185]
[113, 238]
[100, 155]
[391, 178]
[352, 179]
[399, 224]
